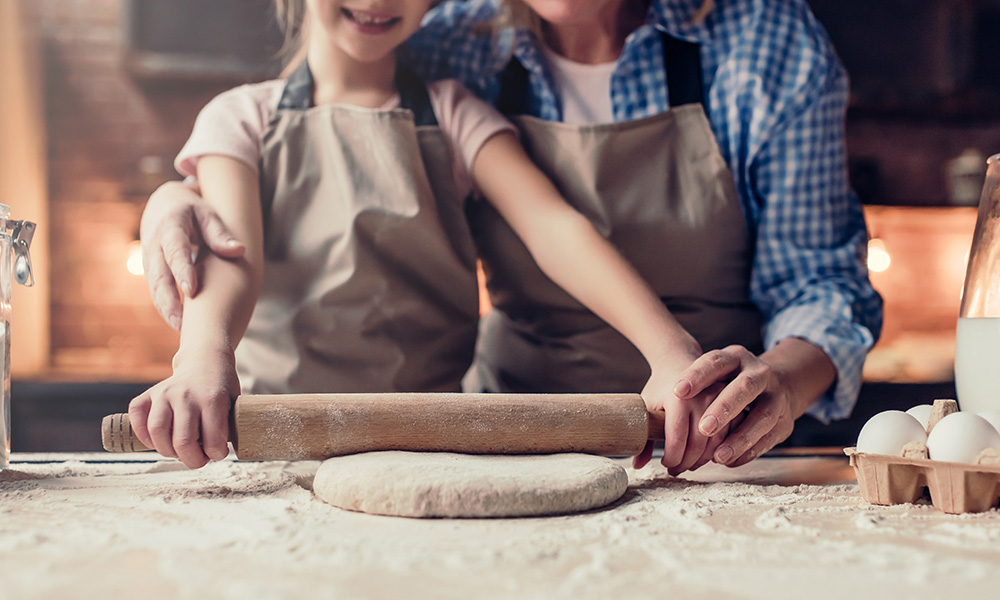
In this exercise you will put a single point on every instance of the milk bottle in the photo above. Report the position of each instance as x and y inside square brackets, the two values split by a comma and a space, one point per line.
[977, 352]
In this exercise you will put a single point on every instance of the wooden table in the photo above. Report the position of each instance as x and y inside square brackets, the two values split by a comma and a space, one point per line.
[80, 526]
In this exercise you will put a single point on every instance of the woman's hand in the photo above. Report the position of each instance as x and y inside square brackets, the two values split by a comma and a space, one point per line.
[773, 390]
[186, 416]
[175, 224]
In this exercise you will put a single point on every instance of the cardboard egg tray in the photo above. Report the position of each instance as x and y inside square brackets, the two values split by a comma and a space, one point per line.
[954, 487]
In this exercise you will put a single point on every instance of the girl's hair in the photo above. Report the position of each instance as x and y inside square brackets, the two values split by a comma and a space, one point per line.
[517, 14]
[291, 17]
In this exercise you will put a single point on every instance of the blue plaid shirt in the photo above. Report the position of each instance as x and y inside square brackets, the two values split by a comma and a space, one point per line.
[775, 95]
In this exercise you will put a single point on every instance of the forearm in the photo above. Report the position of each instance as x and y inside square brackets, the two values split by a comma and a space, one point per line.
[804, 369]
[218, 316]
[576, 257]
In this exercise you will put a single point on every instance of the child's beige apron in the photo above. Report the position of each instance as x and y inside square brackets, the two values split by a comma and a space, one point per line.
[369, 279]
[660, 191]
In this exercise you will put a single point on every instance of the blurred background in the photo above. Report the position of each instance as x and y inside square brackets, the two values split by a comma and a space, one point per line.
[97, 96]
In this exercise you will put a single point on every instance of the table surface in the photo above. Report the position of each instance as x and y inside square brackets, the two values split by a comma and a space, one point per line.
[96, 525]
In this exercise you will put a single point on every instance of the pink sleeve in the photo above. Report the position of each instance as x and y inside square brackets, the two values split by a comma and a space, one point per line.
[467, 122]
[232, 124]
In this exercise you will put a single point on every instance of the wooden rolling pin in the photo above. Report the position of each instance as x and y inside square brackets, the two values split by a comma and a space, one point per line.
[318, 426]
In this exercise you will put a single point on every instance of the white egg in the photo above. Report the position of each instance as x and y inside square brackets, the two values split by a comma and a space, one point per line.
[888, 431]
[922, 412]
[993, 416]
[960, 437]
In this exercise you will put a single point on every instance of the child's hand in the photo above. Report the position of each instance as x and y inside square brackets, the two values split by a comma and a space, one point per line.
[186, 416]
[685, 447]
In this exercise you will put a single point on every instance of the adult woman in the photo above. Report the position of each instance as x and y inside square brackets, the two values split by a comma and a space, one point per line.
[722, 178]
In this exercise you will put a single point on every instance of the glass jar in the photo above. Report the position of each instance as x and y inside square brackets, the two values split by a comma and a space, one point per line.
[15, 265]
[977, 339]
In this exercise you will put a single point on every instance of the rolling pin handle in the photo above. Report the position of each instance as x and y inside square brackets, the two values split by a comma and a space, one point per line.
[117, 435]
[656, 422]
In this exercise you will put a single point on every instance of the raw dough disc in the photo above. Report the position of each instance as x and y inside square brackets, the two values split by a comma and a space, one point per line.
[444, 484]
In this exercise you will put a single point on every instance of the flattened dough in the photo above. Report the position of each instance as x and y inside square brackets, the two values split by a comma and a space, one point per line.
[444, 484]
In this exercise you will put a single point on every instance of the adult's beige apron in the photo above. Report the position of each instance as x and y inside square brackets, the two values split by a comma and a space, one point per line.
[369, 278]
[660, 191]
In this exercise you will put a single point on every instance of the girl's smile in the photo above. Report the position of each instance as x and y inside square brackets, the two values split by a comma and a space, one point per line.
[370, 22]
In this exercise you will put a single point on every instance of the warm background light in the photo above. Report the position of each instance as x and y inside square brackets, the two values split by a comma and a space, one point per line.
[134, 261]
[878, 257]
[927, 249]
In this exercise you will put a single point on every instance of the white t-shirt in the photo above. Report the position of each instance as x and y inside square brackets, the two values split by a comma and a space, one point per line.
[585, 89]
[234, 122]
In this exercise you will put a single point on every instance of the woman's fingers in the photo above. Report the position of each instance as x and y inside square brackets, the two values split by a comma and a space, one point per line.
[709, 453]
[215, 234]
[710, 367]
[738, 394]
[762, 419]
[162, 286]
[180, 250]
[165, 226]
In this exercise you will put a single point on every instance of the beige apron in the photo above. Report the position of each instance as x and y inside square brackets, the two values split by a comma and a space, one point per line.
[369, 279]
[660, 191]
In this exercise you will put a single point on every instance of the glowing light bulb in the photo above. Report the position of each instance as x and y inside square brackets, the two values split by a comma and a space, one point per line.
[134, 261]
[878, 257]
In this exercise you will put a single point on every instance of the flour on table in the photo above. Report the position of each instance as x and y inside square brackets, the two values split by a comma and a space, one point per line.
[445, 484]
[79, 526]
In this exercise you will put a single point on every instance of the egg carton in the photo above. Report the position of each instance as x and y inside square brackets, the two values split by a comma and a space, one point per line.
[954, 488]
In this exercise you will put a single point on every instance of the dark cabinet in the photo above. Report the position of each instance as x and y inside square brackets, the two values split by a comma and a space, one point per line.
[217, 40]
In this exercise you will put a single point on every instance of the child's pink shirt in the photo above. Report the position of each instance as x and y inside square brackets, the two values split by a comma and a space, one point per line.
[233, 123]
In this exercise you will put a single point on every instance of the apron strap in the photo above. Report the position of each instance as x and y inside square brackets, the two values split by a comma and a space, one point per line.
[298, 93]
[682, 61]
[413, 96]
[683, 66]
[514, 89]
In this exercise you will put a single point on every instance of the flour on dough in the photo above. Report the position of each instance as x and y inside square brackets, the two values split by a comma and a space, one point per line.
[444, 484]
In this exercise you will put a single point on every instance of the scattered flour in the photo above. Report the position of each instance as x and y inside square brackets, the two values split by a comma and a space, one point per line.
[153, 529]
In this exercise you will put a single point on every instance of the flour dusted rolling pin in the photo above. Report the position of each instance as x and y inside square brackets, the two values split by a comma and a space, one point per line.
[318, 426]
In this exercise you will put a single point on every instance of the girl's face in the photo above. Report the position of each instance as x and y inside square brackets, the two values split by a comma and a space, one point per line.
[366, 30]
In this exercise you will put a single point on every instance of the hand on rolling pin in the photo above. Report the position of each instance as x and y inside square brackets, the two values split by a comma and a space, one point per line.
[186, 416]
[760, 396]
[685, 447]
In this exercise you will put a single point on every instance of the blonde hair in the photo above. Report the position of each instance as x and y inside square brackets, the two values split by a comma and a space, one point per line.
[291, 17]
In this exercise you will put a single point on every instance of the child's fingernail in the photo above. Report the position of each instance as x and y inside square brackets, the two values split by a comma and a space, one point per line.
[232, 243]
[682, 388]
[186, 288]
[194, 257]
[709, 425]
[724, 454]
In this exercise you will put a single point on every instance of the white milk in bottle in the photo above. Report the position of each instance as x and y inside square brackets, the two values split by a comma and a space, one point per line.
[977, 363]
[977, 338]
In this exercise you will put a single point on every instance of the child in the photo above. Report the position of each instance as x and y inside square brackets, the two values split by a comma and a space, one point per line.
[346, 182]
